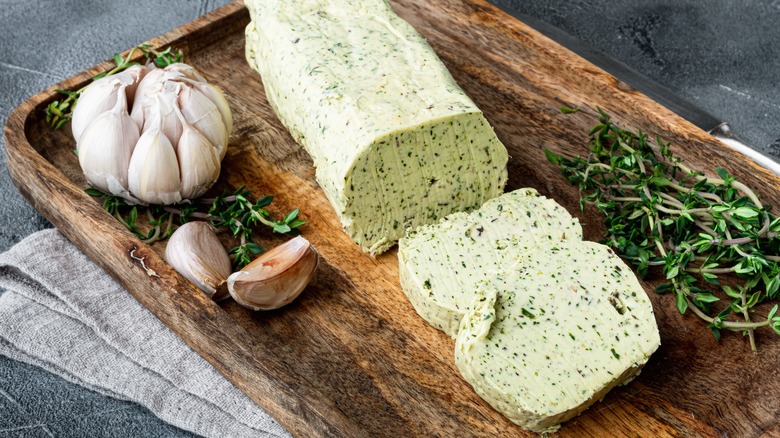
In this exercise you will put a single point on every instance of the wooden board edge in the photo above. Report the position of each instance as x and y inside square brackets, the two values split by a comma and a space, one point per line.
[309, 415]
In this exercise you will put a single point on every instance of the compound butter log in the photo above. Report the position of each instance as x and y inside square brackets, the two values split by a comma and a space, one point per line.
[395, 141]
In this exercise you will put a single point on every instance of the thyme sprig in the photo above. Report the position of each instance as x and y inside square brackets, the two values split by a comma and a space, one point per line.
[697, 229]
[236, 211]
[60, 111]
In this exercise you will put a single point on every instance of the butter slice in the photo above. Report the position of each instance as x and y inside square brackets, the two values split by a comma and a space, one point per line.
[545, 339]
[395, 141]
[441, 264]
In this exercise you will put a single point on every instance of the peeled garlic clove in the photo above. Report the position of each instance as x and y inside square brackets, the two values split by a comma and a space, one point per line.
[198, 160]
[275, 278]
[204, 116]
[153, 174]
[196, 253]
[106, 146]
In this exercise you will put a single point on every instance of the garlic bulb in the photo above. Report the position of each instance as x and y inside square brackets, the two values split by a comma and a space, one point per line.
[196, 253]
[173, 152]
[275, 278]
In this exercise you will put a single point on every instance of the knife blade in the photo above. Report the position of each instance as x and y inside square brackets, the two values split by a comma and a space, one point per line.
[714, 126]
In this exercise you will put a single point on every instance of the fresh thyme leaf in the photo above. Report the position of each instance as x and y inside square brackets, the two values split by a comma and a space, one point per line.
[291, 216]
[236, 211]
[698, 230]
[255, 248]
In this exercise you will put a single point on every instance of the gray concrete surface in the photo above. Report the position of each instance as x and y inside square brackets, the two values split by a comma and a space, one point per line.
[720, 54]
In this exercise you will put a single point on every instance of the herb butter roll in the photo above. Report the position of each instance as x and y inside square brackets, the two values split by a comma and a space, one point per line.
[548, 337]
[396, 142]
[440, 265]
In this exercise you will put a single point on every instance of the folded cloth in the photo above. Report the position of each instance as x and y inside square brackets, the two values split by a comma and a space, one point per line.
[63, 313]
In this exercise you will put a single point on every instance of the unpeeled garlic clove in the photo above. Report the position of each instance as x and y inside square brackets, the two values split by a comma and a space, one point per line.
[184, 70]
[106, 146]
[101, 96]
[153, 174]
[217, 97]
[170, 122]
[133, 76]
[196, 253]
[96, 99]
[198, 161]
[203, 115]
[145, 89]
[275, 278]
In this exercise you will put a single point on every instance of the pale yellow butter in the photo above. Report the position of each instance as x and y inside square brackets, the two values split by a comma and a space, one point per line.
[545, 339]
[395, 141]
[440, 265]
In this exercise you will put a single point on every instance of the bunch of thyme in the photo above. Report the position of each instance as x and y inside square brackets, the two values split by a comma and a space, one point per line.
[697, 229]
[236, 211]
[59, 112]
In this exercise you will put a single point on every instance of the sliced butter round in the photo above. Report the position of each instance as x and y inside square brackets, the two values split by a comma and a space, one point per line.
[441, 264]
[548, 337]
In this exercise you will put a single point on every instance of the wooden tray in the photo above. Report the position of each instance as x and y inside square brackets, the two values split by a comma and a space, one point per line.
[351, 357]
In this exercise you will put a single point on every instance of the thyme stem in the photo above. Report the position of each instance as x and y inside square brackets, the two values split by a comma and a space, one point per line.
[660, 213]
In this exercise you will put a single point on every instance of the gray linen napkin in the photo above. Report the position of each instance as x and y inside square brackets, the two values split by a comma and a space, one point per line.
[63, 313]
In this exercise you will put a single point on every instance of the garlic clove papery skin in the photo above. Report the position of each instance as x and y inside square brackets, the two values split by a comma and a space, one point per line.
[101, 95]
[153, 174]
[195, 252]
[275, 278]
[106, 147]
[135, 74]
[203, 115]
[217, 97]
[199, 162]
[142, 93]
[166, 102]
[186, 71]
[97, 98]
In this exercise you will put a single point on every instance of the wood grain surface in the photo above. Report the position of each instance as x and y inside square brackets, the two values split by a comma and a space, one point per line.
[350, 357]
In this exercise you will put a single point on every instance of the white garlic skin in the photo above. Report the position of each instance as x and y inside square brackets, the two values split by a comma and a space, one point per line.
[153, 175]
[101, 95]
[106, 147]
[167, 106]
[202, 160]
[203, 114]
[276, 278]
[195, 252]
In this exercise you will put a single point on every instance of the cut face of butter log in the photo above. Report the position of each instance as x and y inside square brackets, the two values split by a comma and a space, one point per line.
[395, 141]
[440, 265]
[545, 339]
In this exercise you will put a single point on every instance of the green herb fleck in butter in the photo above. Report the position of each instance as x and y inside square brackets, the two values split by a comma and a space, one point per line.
[395, 141]
[592, 328]
[440, 265]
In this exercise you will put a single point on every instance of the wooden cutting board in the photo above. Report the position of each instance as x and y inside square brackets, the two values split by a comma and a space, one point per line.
[351, 357]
